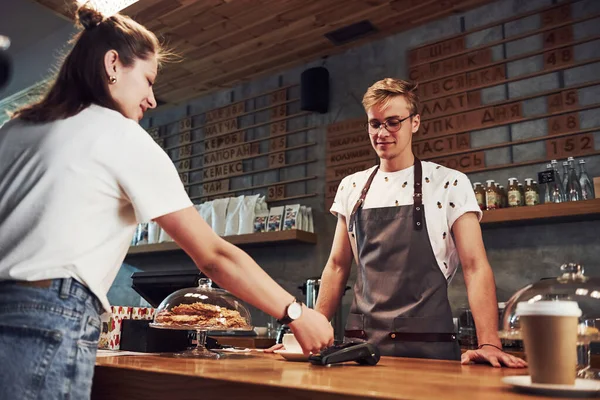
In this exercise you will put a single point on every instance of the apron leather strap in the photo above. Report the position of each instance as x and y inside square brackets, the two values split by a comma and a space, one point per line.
[356, 334]
[418, 196]
[361, 199]
[422, 337]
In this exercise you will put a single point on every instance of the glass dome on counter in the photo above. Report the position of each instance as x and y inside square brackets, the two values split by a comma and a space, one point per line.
[202, 309]
[571, 285]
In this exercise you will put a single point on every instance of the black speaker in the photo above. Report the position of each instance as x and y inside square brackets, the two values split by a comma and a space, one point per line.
[137, 335]
[314, 90]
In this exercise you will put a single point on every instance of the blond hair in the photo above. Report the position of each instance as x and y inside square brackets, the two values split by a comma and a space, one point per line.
[381, 92]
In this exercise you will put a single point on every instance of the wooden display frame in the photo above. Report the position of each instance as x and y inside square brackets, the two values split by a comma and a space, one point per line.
[225, 148]
[268, 93]
[545, 27]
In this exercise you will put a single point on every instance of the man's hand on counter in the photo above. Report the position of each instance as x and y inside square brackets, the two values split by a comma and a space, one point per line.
[312, 330]
[493, 356]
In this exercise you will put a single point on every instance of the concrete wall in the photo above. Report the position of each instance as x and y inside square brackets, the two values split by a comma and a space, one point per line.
[518, 255]
[38, 38]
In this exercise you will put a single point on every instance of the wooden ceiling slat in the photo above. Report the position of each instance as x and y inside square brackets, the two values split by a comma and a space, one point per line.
[140, 6]
[208, 24]
[304, 36]
[180, 15]
[257, 15]
[321, 47]
[233, 9]
[225, 42]
[154, 12]
[295, 49]
[302, 28]
[247, 76]
[290, 64]
[201, 57]
[271, 21]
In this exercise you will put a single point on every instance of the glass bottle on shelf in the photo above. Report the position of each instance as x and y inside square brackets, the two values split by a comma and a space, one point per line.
[565, 174]
[491, 195]
[573, 186]
[479, 195]
[547, 187]
[558, 189]
[531, 196]
[557, 173]
[587, 187]
[514, 195]
[500, 196]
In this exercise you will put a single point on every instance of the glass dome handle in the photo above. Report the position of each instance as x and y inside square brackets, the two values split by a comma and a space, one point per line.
[572, 268]
[572, 272]
[204, 283]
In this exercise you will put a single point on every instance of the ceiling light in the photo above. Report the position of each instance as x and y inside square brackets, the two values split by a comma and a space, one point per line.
[108, 7]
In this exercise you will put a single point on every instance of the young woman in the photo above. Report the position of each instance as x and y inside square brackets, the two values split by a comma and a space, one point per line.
[77, 174]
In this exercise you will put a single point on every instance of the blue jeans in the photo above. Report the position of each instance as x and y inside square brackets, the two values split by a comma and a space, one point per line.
[48, 340]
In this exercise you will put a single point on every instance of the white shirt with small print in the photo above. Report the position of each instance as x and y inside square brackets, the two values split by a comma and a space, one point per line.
[447, 195]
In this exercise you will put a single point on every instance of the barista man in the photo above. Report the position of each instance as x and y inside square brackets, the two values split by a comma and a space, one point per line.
[408, 223]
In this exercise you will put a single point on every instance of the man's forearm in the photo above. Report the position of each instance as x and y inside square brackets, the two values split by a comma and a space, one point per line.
[333, 283]
[481, 290]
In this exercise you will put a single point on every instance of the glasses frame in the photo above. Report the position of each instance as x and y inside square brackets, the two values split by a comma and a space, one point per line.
[385, 125]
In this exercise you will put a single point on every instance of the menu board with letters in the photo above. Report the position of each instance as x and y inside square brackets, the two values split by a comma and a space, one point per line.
[457, 75]
[453, 75]
[215, 151]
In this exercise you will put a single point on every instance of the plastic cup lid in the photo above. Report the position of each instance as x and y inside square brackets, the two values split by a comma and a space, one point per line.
[549, 308]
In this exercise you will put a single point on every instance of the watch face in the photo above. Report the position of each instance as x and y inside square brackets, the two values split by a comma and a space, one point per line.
[295, 310]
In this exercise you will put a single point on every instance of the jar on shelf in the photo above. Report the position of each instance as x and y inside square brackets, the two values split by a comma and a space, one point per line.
[515, 199]
[532, 196]
[479, 195]
[503, 196]
[491, 195]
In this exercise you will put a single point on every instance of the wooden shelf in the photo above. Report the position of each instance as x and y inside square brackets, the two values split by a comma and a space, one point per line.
[544, 213]
[252, 239]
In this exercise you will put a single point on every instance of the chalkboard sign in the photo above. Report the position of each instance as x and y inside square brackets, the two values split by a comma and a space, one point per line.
[546, 177]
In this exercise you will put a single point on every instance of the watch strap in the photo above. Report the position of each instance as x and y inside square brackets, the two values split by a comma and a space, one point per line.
[286, 318]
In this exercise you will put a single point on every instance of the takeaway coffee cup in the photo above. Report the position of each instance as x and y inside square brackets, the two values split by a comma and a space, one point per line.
[549, 331]
[291, 344]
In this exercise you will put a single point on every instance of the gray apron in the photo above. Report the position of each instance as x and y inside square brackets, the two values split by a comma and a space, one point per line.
[400, 296]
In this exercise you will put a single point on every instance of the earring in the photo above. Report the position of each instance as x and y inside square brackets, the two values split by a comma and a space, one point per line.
[112, 79]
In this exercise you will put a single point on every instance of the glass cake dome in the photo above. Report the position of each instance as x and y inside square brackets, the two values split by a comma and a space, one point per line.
[572, 285]
[202, 309]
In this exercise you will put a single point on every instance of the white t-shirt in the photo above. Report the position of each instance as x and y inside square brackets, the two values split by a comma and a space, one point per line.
[447, 194]
[72, 193]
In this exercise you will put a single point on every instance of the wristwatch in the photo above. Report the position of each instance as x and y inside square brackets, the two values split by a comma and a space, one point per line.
[292, 312]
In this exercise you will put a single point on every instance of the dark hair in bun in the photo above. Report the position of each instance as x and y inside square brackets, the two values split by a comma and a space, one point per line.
[82, 78]
[88, 17]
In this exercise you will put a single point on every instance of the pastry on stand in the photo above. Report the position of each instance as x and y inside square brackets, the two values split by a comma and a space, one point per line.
[202, 309]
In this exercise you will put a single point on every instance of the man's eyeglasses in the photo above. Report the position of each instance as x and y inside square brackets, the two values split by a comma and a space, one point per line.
[391, 125]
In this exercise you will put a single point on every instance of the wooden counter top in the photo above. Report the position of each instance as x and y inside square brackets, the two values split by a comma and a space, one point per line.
[264, 376]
